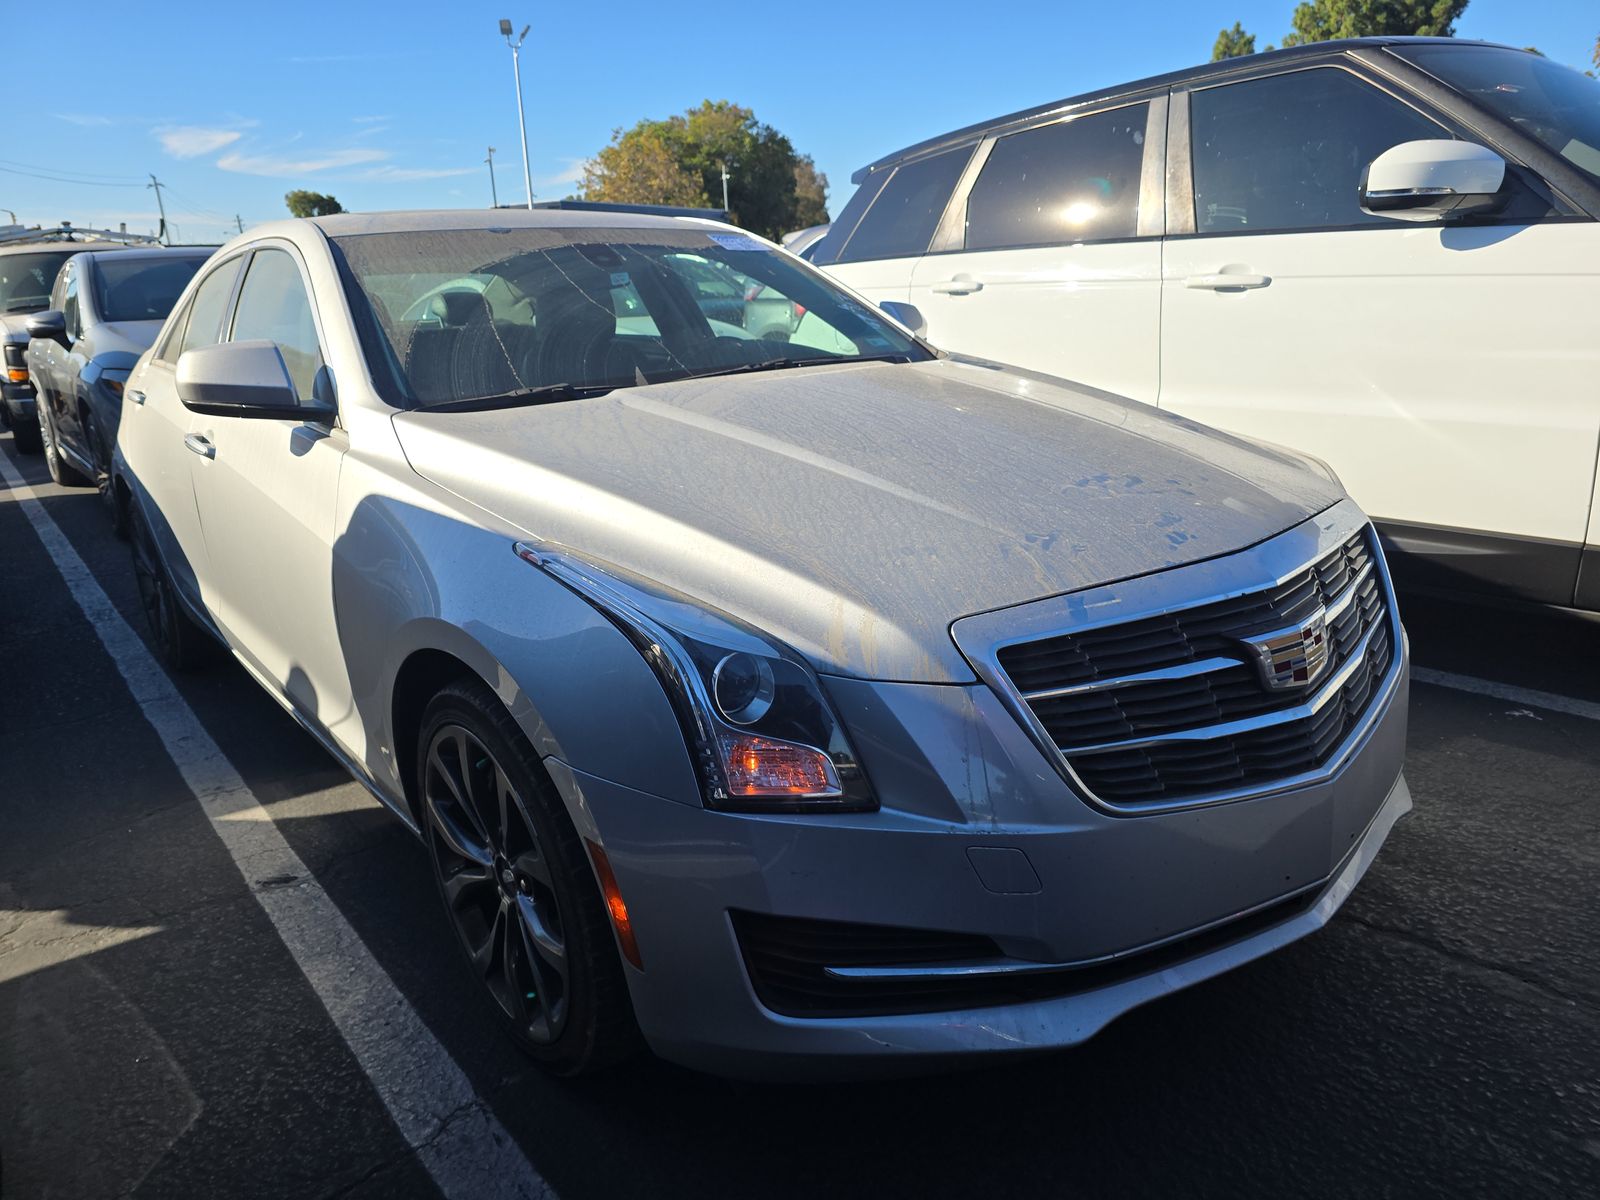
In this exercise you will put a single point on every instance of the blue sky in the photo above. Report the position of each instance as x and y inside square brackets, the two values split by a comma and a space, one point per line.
[393, 106]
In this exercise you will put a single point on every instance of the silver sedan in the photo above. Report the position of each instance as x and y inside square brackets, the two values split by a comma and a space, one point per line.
[798, 703]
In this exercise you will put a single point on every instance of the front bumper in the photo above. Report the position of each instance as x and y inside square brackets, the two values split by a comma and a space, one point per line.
[21, 401]
[958, 774]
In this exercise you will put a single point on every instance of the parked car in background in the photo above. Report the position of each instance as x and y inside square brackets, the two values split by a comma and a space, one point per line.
[804, 241]
[788, 704]
[1383, 252]
[27, 274]
[105, 310]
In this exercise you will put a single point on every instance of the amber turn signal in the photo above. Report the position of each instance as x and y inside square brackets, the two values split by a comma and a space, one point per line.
[17, 374]
[758, 766]
[616, 909]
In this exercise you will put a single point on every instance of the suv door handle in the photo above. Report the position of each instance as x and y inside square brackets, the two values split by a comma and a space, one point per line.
[961, 285]
[200, 444]
[1224, 281]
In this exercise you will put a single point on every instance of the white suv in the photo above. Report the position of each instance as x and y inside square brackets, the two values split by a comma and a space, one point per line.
[1383, 252]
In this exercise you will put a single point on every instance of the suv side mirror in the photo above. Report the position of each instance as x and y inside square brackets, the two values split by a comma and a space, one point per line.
[908, 315]
[1434, 179]
[50, 325]
[242, 379]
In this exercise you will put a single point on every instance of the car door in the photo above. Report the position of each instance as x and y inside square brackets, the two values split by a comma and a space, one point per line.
[152, 434]
[1052, 258]
[900, 210]
[267, 493]
[1446, 372]
[55, 366]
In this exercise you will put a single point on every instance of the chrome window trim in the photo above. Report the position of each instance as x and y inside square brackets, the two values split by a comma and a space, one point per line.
[982, 636]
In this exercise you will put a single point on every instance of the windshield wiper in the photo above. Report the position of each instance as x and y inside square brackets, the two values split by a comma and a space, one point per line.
[548, 393]
[783, 364]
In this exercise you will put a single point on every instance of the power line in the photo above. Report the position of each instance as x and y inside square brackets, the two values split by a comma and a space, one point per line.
[61, 179]
[129, 179]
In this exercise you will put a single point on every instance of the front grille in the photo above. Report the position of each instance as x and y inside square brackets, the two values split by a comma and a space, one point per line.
[787, 959]
[1171, 708]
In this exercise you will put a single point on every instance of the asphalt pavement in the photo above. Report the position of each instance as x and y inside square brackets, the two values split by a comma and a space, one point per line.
[158, 1037]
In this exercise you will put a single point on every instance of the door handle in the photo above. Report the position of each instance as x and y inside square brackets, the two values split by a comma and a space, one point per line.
[136, 397]
[199, 444]
[1223, 281]
[959, 286]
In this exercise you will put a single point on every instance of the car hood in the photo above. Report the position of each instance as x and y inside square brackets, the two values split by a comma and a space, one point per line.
[125, 337]
[855, 511]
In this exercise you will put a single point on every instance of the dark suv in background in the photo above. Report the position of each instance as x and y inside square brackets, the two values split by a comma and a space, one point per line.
[104, 312]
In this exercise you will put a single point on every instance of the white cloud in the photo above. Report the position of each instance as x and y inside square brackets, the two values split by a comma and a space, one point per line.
[277, 165]
[371, 120]
[388, 174]
[190, 141]
[571, 173]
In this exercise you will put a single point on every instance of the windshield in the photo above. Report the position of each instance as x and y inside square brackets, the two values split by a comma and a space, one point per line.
[1552, 104]
[26, 279]
[140, 288]
[459, 315]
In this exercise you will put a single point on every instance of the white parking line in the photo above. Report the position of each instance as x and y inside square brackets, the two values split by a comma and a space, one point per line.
[455, 1135]
[1508, 691]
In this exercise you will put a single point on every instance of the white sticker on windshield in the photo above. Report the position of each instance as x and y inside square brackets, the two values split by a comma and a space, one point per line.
[735, 241]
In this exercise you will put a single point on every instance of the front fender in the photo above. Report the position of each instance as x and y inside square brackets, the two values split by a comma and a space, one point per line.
[409, 579]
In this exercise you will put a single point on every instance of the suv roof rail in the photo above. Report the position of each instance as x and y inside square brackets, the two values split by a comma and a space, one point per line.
[11, 235]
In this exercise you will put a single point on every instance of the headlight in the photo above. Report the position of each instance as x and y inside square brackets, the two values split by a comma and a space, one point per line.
[16, 363]
[762, 734]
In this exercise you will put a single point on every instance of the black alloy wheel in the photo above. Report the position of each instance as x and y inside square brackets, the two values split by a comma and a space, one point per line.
[179, 642]
[517, 886]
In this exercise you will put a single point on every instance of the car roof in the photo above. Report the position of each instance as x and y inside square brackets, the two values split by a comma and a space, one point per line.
[1153, 83]
[347, 224]
[156, 252]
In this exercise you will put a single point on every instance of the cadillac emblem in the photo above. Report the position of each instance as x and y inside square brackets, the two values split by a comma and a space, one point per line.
[1293, 657]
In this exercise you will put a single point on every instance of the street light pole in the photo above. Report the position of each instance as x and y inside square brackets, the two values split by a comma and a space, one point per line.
[522, 124]
[724, 187]
[494, 193]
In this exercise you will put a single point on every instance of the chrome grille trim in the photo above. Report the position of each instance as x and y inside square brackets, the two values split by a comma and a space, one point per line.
[1326, 692]
[1208, 585]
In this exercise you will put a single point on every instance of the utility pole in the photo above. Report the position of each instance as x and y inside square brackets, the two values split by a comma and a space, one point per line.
[156, 183]
[522, 124]
[239, 221]
[725, 178]
[494, 193]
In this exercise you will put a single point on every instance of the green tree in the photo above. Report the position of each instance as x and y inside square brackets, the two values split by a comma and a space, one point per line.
[771, 189]
[639, 167]
[1233, 43]
[810, 194]
[1324, 20]
[311, 204]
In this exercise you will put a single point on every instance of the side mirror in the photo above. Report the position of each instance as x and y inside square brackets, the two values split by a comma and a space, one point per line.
[1430, 180]
[50, 325]
[243, 379]
[908, 315]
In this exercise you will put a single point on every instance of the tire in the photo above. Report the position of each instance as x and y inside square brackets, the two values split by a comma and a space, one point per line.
[25, 434]
[517, 886]
[102, 478]
[180, 643]
[63, 472]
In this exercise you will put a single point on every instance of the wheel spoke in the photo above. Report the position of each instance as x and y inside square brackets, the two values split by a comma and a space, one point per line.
[521, 996]
[467, 881]
[487, 953]
[531, 864]
[472, 758]
[462, 842]
[543, 943]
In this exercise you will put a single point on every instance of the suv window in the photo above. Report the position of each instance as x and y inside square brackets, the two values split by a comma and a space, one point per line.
[902, 219]
[69, 299]
[273, 307]
[826, 249]
[1069, 181]
[1287, 151]
[202, 323]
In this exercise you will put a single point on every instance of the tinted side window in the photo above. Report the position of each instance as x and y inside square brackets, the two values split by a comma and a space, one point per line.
[1070, 181]
[203, 324]
[901, 221]
[273, 307]
[69, 298]
[1287, 152]
[826, 248]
